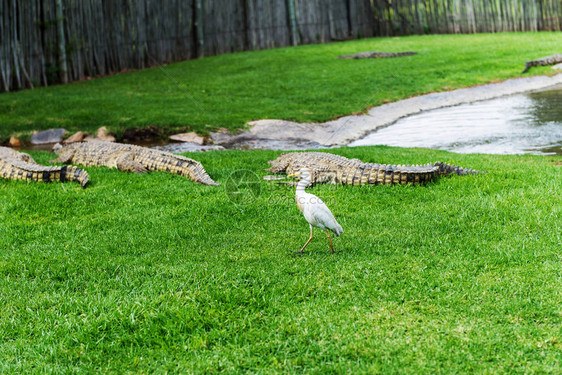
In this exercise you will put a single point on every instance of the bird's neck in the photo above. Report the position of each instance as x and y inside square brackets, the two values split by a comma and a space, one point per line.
[302, 185]
[300, 194]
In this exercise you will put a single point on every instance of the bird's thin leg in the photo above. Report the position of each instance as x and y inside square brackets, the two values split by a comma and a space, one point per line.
[330, 240]
[307, 242]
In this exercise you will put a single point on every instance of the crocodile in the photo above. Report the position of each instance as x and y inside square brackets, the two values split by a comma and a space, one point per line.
[21, 166]
[131, 158]
[376, 55]
[548, 60]
[335, 169]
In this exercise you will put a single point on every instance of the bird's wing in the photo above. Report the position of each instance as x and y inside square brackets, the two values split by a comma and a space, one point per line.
[317, 213]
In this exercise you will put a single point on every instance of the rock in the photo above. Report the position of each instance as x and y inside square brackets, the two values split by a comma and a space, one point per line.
[91, 139]
[14, 142]
[76, 137]
[191, 137]
[107, 138]
[557, 66]
[221, 135]
[103, 135]
[48, 136]
[188, 147]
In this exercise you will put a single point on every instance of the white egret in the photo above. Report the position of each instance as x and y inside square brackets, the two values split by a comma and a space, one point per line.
[314, 210]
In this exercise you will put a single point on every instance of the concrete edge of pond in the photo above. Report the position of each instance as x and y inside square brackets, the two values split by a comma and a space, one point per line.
[345, 130]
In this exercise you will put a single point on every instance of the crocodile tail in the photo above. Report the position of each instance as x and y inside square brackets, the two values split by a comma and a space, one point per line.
[447, 169]
[72, 173]
[200, 175]
[415, 175]
[40, 173]
[193, 170]
[182, 166]
[377, 174]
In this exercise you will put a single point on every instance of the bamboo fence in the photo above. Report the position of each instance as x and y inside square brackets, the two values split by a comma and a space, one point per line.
[43, 42]
[405, 17]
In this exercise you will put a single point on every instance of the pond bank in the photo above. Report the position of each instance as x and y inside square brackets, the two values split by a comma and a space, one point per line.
[346, 129]
[287, 135]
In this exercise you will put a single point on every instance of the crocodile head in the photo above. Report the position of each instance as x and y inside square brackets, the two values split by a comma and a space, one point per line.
[279, 165]
[56, 148]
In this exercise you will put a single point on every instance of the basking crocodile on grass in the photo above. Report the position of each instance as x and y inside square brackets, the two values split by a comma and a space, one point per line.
[376, 55]
[20, 166]
[335, 169]
[549, 60]
[131, 158]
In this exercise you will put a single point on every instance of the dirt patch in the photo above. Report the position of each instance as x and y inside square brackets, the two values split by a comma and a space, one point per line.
[148, 134]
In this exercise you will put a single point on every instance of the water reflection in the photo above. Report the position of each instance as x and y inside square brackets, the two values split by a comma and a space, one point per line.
[529, 123]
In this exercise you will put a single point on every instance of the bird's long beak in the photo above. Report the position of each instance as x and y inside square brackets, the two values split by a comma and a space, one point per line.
[295, 174]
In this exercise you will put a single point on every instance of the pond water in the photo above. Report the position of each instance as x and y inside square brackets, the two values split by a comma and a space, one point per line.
[525, 123]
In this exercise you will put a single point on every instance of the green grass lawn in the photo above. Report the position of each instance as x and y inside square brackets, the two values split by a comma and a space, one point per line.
[306, 83]
[154, 273]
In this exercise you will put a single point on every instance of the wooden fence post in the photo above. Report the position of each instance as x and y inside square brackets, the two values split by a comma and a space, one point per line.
[63, 71]
[292, 22]
[199, 31]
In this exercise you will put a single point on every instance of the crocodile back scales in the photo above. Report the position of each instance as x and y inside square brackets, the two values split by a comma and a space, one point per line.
[545, 61]
[108, 154]
[330, 168]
